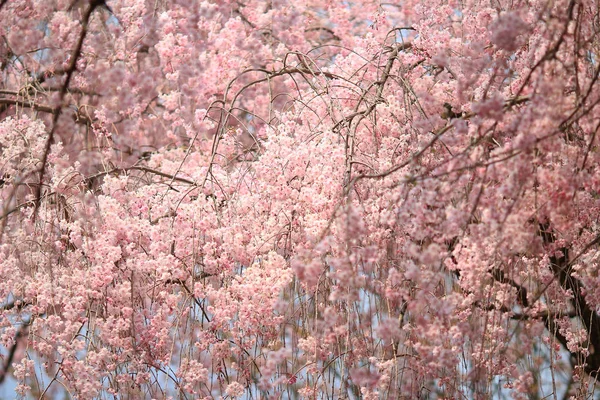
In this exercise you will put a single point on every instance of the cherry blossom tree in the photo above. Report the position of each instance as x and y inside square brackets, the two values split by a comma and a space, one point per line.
[277, 199]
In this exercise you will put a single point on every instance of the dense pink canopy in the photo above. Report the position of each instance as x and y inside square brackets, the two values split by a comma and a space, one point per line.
[299, 199]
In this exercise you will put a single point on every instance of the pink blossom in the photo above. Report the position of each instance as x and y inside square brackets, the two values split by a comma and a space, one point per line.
[506, 31]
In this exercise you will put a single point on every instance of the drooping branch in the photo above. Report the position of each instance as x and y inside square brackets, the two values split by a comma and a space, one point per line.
[21, 332]
[562, 269]
[142, 169]
[77, 115]
[69, 75]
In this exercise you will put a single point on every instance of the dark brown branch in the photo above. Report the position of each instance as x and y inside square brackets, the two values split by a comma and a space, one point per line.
[324, 29]
[11, 353]
[521, 290]
[143, 169]
[77, 116]
[69, 75]
[562, 268]
[190, 293]
[18, 304]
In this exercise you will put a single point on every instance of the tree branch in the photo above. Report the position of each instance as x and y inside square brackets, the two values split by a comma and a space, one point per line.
[77, 116]
[69, 75]
[11, 353]
[562, 269]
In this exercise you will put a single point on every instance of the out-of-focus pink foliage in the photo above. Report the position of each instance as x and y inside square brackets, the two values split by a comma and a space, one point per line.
[270, 199]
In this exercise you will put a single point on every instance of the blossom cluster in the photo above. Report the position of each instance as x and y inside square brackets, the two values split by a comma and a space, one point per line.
[213, 199]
